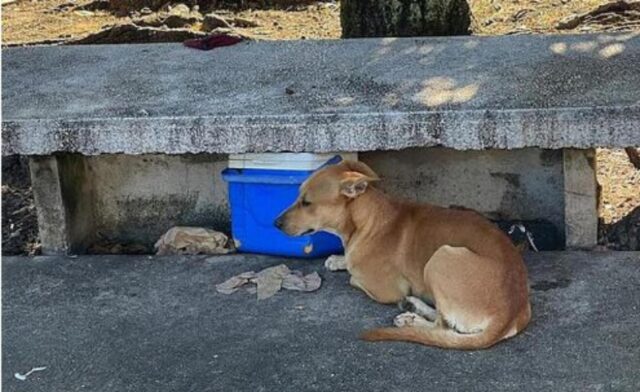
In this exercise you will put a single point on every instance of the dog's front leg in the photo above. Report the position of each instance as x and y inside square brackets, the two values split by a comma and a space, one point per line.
[336, 263]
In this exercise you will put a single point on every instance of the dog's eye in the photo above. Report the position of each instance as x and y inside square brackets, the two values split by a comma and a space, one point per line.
[305, 203]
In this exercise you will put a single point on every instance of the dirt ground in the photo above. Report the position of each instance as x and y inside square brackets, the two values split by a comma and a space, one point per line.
[19, 223]
[31, 21]
[36, 21]
[28, 21]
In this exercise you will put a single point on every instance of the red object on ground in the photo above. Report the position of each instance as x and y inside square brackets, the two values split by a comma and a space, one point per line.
[213, 41]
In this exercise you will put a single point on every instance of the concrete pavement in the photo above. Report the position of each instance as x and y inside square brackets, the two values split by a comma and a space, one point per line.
[138, 323]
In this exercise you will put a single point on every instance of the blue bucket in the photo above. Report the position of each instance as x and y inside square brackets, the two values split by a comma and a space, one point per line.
[257, 197]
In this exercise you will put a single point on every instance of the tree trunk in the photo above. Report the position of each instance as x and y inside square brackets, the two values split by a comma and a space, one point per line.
[404, 18]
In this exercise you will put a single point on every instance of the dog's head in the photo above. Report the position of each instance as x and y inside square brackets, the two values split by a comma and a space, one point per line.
[323, 198]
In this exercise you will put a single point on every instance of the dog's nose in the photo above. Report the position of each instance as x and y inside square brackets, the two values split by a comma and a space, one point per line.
[278, 222]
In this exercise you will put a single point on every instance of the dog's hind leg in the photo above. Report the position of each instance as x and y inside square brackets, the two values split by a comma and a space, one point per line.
[416, 305]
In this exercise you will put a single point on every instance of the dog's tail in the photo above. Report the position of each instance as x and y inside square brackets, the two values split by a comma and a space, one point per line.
[437, 336]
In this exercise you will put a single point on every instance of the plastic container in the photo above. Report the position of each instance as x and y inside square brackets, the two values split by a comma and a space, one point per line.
[261, 187]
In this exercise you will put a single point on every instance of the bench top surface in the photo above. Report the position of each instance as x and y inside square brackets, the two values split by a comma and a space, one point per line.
[335, 95]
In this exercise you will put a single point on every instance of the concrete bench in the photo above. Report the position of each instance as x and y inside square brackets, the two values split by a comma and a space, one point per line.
[127, 140]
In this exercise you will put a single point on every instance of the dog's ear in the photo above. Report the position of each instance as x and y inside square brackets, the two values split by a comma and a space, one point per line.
[362, 168]
[354, 183]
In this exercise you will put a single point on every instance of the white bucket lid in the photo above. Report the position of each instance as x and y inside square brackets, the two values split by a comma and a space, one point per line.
[284, 160]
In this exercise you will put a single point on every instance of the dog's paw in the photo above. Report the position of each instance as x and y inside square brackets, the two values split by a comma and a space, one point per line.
[335, 263]
[406, 319]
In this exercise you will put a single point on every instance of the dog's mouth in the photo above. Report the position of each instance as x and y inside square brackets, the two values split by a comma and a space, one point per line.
[307, 232]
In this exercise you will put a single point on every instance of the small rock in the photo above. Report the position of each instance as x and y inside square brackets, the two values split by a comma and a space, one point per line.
[520, 14]
[179, 9]
[130, 33]
[146, 11]
[181, 15]
[153, 20]
[95, 5]
[64, 7]
[177, 21]
[212, 21]
[83, 13]
[569, 22]
[174, 18]
[243, 22]
[289, 91]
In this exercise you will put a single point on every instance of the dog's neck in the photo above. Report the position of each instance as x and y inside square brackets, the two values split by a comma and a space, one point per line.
[367, 211]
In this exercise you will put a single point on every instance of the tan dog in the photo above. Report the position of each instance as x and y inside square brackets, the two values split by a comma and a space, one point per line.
[454, 258]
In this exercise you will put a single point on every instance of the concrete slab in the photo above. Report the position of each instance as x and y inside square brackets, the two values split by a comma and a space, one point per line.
[346, 95]
[157, 324]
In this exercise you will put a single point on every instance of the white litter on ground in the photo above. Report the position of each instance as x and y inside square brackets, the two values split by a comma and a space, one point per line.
[23, 377]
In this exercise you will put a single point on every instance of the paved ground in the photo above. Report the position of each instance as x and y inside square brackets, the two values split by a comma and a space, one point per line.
[117, 323]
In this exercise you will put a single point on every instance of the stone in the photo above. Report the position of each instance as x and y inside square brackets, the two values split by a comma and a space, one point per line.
[131, 33]
[178, 21]
[243, 22]
[179, 9]
[124, 7]
[149, 20]
[212, 21]
[83, 13]
[605, 14]
[95, 5]
[175, 17]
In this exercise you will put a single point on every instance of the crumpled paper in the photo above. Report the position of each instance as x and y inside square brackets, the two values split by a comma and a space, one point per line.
[271, 280]
[184, 240]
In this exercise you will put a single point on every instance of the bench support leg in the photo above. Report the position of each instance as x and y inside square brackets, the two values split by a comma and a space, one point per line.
[62, 195]
[580, 199]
